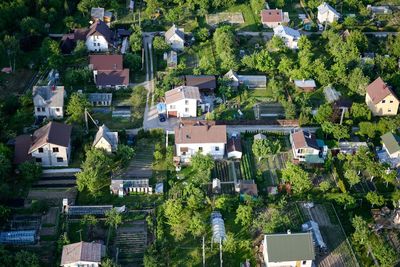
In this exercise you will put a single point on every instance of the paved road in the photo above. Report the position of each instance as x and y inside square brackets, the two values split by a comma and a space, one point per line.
[270, 34]
[271, 128]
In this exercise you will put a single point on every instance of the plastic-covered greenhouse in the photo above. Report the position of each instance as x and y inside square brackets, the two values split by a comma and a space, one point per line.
[218, 227]
[18, 237]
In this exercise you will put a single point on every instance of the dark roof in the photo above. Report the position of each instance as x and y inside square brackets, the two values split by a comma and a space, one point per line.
[68, 41]
[123, 32]
[289, 247]
[248, 187]
[82, 251]
[302, 139]
[21, 149]
[234, 144]
[106, 62]
[100, 27]
[378, 90]
[112, 78]
[201, 81]
[53, 133]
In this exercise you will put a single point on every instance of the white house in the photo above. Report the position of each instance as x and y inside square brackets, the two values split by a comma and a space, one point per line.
[99, 38]
[290, 36]
[123, 187]
[48, 101]
[51, 145]
[82, 254]
[176, 38]
[305, 85]
[306, 148]
[203, 138]
[288, 250]
[182, 101]
[105, 139]
[327, 13]
[272, 18]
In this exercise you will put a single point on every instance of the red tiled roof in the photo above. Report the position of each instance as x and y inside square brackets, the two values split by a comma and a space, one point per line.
[271, 15]
[112, 78]
[378, 90]
[106, 62]
[301, 140]
[198, 134]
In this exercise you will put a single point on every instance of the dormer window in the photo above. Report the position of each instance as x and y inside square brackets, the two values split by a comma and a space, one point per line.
[383, 101]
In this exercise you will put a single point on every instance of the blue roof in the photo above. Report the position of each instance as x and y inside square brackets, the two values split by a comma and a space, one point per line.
[18, 237]
[320, 143]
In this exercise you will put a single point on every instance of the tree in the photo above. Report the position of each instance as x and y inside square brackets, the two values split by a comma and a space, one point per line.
[138, 97]
[31, 26]
[11, 46]
[133, 61]
[225, 47]
[197, 226]
[202, 34]
[367, 128]
[375, 199]
[244, 215]
[80, 49]
[160, 45]
[51, 53]
[271, 221]
[297, 177]
[361, 232]
[358, 39]
[5, 162]
[113, 218]
[95, 174]
[123, 155]
[84, 6]
[357, 81]
[5, 257]
[325, 186]
[360, 112]
[336, 130]
[264, 147]
[24, 258]
[109, 263]
[62, 241]
[222, 3]
[384, 253]
[344, 199]
[277, 89]
[76, 107]
[230, 244]
[89, 221]
[290, 109]
[29, 172]
[352, 177]
[324, 113]
[77, 77]
[202, 163]
[257, 6]
[396, 46]
[389, 176]
[177, 218]
[135, 40]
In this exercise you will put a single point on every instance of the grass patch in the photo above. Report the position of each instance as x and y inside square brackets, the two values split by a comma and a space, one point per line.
[252, 22]
[117, 123]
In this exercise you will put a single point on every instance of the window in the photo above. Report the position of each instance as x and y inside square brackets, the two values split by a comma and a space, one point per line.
[60, 159]
[40, 149]
[217, 148]
[200, 149]
[186, 110]
[186, 102]
[383, 101]
[43, 109]
[304, 262]
[391, 101]
[55, 149]
[38, 109]
[38, 160]
[389, 110]
[172, 106]
[58, 109]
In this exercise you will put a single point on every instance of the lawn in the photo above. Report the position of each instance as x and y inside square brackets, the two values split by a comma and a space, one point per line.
[117, 123]
[247, 163]
[252, 22]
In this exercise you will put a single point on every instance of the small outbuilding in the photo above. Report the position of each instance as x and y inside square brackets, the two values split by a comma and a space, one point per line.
[234, 147]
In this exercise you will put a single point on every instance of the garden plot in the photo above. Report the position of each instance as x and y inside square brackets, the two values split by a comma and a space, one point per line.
[269, 110]
[247, 166]
[225, 171]
[225, 17]
[340, 252]
[276, 163]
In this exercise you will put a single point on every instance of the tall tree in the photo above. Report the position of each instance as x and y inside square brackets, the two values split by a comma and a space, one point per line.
[244, 214]
[265, 147]
[361, 232]
[135, 40]
[375, 199]
[297, 177]
[352, 177]
[76, 107]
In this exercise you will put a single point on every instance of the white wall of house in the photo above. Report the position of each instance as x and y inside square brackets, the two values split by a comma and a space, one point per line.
[43, 109]
[300, 152]
[50, 157]
[82, 263]
[327, 16]
[387, 107]
[184, 108]
[299, 263]
[271, 24]
[96, 43]
[216, 150]
[103, 144]
[176, 42]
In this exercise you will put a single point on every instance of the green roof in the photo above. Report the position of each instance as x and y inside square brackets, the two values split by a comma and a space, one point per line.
[391, 142]
[290, 247]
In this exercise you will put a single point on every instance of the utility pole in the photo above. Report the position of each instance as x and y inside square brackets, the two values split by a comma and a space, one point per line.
[204, 253]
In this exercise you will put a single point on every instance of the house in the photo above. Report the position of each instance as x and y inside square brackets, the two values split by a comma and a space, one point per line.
[99, 37]
[234, 147]
[380, 10]
[380, 99]
[306, 148]
[250, 81]
[83, 254]
[50, 145]
[182, 101]
[305, 85]
[390, 153]
[175, 38]
[48, 101]
[123, 187]
[108, 71]
[272, 18]
[246, 187]
[100, 99]
[327, 14]
[290, 36]
[203, 138]
[288, 250]
[69, 40]
[205, 83]
[105, 139]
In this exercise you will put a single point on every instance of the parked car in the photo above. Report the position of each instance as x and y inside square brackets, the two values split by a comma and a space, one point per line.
[162, 117]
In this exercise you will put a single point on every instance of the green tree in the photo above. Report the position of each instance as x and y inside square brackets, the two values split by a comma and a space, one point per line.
[367, 128]
[11, 47]
[361, 231]
[358, 39]
[336, 130]
[324, 113]
[202, 34]
[135, 40]
[257, 6]
[290, 109]
[113, 218]
[24, 258]
[76, 107]
[230, 244]
[357, 81]
[29, 172]
[202, 163]
[77, 77]
[80, 49]
[133, 61]
[389, 176]
[297, 177]
[360, 112]
[244, 215]
[160, 45]
[95, 174]
[395, 47]
[5, 162]
[271, 221]
[31, 26]
[5, 257]
[384, 253]
[197, 226]
[123, 156]
[89, 221]
[375, 199]
[51, 53]
[352, 177]
[177, 218]
[277, 89]
[225, 47]
[265, 147]
[109, 263]
[325, 186]
[344, 199]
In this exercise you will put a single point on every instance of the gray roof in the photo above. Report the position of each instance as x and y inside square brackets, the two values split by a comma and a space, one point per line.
[82, 251]
[97, 13]
[289, 247]
[52, 95]
[182, 92]
[110, 137]
[253, 81]
[305, 83]
[94, 97]
[391, 142]
[331, 95]
[283, 30]
[325, 7]
[201, 81]
[52, 133]
[259, 136]
[174, 30]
